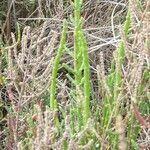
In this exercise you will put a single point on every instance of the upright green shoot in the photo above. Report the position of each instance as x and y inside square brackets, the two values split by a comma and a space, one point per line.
[53, 102]
[77, 50]
[81, 65]
[86, 79]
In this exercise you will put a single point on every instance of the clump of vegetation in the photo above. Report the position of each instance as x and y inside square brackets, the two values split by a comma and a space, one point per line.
[82, 86]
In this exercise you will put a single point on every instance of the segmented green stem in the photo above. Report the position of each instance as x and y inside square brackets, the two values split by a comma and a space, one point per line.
[127, 23]
[53, 102]
[81, 64]
[86, 105]
[77, 49]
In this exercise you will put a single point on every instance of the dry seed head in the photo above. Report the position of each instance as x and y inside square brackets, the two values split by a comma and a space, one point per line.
[102, 79]
[72, 145]
[121, 132]
[102, 64]
[66, 133]
[146, 32]
[135, 12]
[138, 76]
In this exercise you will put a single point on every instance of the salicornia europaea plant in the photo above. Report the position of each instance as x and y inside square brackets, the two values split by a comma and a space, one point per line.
[81, 64]
[53, 102]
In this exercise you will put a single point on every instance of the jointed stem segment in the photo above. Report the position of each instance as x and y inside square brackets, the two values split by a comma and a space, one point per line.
[53, 103]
